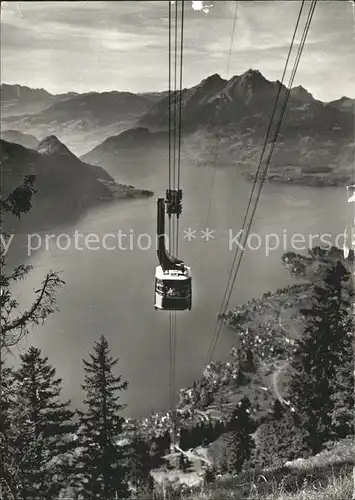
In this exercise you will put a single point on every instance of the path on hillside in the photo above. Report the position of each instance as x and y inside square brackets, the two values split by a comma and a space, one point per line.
[275, 383]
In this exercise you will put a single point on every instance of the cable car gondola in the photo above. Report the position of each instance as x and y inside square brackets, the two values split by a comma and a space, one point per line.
[173, 290]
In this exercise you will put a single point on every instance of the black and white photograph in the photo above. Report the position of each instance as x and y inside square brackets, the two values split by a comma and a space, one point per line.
[177, 250]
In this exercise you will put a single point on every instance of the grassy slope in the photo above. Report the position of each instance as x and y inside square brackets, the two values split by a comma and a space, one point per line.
[326, 476]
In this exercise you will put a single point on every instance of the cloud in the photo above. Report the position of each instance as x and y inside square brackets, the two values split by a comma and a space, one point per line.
[100, 46]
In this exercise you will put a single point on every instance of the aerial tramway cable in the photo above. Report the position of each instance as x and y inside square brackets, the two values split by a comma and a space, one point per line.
[174, 175]
[310, 15]
[169, 111]
[213, 176]
[227, 294]
[180, 120]
[265, 145]
[219, 135]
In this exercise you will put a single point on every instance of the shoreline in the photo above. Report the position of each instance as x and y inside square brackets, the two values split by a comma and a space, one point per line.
[308, 180]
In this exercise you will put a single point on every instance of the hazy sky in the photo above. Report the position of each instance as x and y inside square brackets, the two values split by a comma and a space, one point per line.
[123, 45]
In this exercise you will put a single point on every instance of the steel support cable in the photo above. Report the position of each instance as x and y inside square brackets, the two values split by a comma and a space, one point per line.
[170, 172]
[219, 137]
[177, 130]
[170, 361]
[180, 119]
[310, 15]
[169, 112]
[293, 74]
[173, 238]
[171, 118]
[172, 156]
[300, 50]
[222, 309]
[232, 37]
[276, 133]
[174, 377]
[265, 145]
[171, 313]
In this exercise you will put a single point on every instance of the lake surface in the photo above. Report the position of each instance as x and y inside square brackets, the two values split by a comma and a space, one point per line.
[111, 292]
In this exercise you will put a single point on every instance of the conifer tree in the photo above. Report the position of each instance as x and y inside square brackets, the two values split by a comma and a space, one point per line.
[42, 425]
[279, 438]
[343, 392]
[320, 355]
[9, 474]
[13, 326]
[238, 440]
[160, 445]
[100, 464]
[249, 364]
[137, 462]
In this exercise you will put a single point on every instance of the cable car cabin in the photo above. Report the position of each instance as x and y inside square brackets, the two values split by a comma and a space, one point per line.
[173, 289]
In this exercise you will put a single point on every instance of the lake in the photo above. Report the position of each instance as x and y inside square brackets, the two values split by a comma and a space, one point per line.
[111, 292]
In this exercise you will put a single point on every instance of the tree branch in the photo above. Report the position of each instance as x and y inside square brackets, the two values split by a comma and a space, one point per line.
[37, 313]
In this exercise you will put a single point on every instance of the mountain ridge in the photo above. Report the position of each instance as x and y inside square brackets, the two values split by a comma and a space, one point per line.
[17, 137]
[66, 186]
[235, 113]
[148, 93]
[314, 145]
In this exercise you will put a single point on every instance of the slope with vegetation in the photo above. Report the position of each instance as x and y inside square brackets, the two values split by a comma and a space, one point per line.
[315, 408]
[233, 442]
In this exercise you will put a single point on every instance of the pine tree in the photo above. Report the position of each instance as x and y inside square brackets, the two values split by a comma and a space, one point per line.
[343, 392]
[249, 363]
[137, 462]
[279, 438]
[100, 463]
[320, 354]
[182, 462]
[9, 474]
[238, 440]
[14, 327]
[43, 428]
[160, 445]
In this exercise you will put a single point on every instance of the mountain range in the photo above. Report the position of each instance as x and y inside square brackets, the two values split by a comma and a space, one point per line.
[20, 99]
[27, 140]
[79, 120]
[223, 122]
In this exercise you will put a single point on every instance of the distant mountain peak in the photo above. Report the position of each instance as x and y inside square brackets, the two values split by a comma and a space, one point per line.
[22, 90]
[252, 78]
[345, 99]
[301, 93]
[252, 72]
[248, 86]
[343, 103]
[211, 83]
[52, 145]
[137, 131]
[213, 78]
[17, 137]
